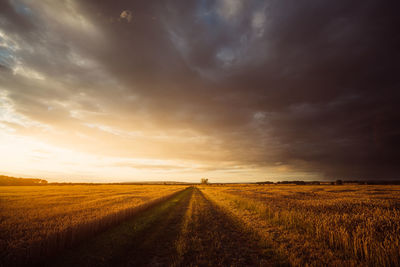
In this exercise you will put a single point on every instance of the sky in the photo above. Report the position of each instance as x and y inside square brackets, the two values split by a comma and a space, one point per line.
[235, 91]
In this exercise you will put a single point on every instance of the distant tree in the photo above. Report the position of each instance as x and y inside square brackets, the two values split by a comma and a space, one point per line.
[339, 182]
[8, 180]
[204, 180]
[265, 182]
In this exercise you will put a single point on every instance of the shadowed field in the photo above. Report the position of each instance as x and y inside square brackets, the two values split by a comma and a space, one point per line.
[186, 230]
[224, 225]
[146, 240]
[210, 237]
[38, 221]
[349, 225]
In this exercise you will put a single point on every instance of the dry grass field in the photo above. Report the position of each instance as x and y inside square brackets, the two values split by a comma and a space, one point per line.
[207, 225]
[209, 236]
[37, 220]
[349, 225]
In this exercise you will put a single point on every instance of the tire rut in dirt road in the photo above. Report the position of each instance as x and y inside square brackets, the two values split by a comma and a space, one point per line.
[210, 237]
[146, 240]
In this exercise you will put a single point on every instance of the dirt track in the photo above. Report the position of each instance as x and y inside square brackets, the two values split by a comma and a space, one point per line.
[211, 238]
[187, 230]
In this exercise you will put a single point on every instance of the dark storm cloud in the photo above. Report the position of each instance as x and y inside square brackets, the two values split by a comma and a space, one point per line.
[312, 85]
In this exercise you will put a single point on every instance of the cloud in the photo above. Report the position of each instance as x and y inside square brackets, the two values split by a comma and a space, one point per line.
[258, 22]
[219, 84]
[229, 9]
[126, 14]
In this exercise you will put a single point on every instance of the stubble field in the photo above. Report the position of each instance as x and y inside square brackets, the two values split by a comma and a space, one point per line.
[207, 225]
[35, 221]
[349, 225]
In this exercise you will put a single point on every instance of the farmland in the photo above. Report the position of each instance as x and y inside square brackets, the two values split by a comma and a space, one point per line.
[206, 225]
[348, 225]
[38, 219]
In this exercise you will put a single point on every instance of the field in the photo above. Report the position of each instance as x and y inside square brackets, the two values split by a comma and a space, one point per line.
[320, 225]
[35, 220]
[207, 225]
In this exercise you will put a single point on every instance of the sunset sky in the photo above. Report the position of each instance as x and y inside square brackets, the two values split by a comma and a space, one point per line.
[235, 91]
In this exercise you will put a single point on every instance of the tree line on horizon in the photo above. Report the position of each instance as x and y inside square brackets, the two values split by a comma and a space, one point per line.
[8, 180]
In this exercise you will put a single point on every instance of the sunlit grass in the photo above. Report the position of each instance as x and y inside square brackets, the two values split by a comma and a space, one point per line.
[37, 220]
[351, 225]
